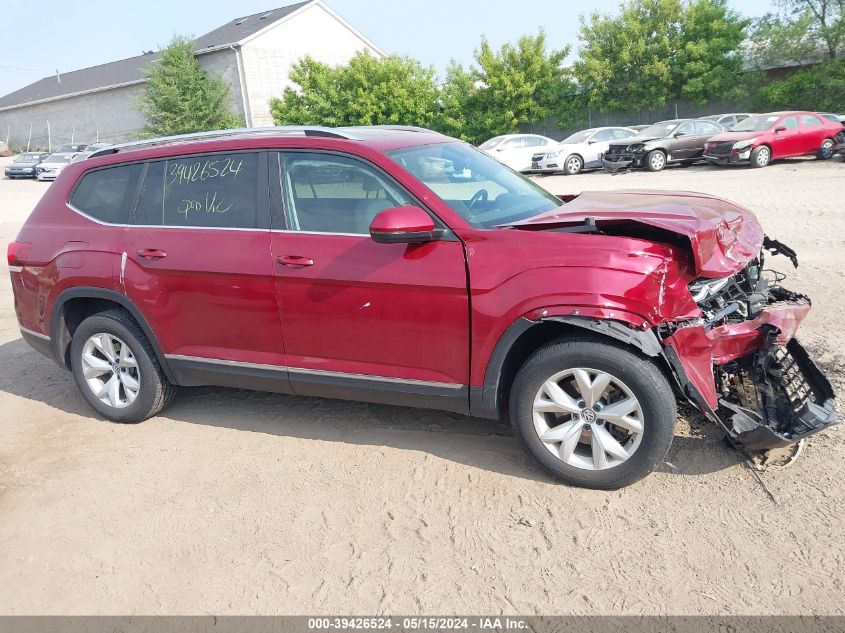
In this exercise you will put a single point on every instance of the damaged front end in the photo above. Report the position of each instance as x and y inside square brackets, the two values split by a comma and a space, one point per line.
[741, 364]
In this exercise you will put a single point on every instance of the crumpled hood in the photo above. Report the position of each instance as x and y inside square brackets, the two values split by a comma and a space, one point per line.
[723, 236]
[633, 140]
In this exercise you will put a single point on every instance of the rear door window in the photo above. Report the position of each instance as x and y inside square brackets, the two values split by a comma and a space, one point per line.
[211, 191]
[106, 194]
[808, 120]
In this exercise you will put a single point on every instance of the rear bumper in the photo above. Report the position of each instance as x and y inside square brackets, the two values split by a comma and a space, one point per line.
[755, 378]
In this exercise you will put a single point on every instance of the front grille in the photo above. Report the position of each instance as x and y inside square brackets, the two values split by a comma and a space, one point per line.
[536, 158]
[722, 148]
[618, 152]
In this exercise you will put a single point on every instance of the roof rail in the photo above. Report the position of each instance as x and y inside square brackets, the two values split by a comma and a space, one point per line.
[397, 128]
[286, 130]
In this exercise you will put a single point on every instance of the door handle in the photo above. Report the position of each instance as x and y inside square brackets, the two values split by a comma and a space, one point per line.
[151, 253]
[295, 261]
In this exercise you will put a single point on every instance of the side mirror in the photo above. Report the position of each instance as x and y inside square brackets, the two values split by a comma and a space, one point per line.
[780, 128]
[679, 133]
[404, 225]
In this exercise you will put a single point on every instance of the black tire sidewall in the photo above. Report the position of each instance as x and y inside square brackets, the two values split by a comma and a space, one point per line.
[148, 373]
[641, 376]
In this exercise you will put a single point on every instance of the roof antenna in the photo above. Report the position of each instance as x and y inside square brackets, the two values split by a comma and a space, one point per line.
[58, 76]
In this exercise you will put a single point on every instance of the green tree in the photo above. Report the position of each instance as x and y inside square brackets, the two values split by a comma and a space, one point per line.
[655, 51]
[367, 91]
[180, 97]
[808, 34]
[516, 85]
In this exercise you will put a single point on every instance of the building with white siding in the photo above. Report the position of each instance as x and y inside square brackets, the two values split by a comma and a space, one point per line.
[253, 54]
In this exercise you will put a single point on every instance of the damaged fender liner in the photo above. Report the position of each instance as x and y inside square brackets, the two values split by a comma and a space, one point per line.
[754, 378]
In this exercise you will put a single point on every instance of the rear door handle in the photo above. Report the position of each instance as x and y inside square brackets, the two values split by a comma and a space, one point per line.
[295, 261]
[151, 253]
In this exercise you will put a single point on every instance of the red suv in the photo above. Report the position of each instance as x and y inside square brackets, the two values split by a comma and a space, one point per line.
[766, 137]
[400, 266]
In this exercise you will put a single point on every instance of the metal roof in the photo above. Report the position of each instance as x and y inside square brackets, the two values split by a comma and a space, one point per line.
[129, 71]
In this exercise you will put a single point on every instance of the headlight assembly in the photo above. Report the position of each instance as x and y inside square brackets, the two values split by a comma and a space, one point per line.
[744, 144]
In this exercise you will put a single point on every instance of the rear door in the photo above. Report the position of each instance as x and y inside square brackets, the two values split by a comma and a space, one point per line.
[361, 320]
[197, 264]
[813, 133]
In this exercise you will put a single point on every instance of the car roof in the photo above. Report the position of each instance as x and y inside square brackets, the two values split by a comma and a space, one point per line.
[377, 138]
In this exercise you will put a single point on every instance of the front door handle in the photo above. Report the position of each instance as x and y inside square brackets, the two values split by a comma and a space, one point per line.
[151, 253]
[295, 261]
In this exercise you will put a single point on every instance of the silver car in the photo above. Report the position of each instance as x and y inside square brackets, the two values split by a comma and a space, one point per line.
[53, 165]
[581, 150]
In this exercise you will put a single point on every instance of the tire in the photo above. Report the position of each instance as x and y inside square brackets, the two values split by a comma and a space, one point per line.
[140, 364]
[760, 156]
[573, 165]
[656, 160]
[655, 414]
[826, 150]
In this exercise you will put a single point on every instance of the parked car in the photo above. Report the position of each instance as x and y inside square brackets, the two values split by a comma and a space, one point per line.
[664, 143]
[71, 148]
[25, 164]
[578, 151]
[53, 165]
[727, 121]
[836, 118]
[516, 150]
[766, 137]
[585, 320]
[95, 147]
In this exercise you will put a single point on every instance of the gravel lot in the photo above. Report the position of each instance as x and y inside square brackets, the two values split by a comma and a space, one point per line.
[235, 502]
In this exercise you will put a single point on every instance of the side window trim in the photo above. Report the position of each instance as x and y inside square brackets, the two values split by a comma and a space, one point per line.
[277, 194]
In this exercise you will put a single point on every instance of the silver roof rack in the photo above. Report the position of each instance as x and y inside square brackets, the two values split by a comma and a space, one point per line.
[287, 130]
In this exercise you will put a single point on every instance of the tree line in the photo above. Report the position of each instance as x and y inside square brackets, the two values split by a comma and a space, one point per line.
[648, 54]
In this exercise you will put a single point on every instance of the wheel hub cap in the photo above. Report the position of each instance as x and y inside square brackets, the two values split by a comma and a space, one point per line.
[588, 418]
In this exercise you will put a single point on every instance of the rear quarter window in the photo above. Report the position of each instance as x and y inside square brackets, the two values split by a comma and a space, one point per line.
[106, 194]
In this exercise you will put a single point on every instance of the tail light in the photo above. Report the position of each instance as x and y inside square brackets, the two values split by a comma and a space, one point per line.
[17, 253]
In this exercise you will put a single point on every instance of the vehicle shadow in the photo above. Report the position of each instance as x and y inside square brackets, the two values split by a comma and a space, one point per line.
[485, 444]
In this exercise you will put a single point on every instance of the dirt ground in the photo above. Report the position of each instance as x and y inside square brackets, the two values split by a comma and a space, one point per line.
[234, 502]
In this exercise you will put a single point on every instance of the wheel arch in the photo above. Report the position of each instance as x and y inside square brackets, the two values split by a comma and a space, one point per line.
[74, 305]
[524, 336]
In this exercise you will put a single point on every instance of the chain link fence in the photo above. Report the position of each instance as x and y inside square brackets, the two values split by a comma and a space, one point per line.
[44, 137]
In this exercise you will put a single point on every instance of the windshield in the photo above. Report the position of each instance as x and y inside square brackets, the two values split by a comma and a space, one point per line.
[480, 189]
[27, 158]
[756, 123]
[578, 137]
[58, 158]
[491, 143]
[658, 130]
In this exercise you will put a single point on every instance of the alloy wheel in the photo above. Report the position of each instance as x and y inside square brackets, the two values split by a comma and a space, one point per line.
[763, 156]
[658, 161]
[573, 165]
[826, 150]
[110, 370]
[588, 418]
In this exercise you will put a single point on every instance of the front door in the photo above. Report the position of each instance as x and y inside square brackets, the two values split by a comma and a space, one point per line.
[196, 263]
[362, 320]
[788, 141]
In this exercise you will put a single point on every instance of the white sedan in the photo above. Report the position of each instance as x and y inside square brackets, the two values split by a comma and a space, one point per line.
[516, 150]
[53, 165]
[581, 150]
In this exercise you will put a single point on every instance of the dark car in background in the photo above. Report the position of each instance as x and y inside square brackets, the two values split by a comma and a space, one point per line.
[766, 137]
[24, 165]
[663, 143]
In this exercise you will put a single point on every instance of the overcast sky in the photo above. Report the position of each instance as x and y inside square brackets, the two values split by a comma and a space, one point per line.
[79, 33]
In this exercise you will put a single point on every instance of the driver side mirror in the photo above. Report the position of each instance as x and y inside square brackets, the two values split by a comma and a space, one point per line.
[780, 128]
[404, 225]
[679, 133]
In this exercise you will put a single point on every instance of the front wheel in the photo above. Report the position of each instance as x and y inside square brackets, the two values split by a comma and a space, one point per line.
[656, 160]
[573, 165]
[826, 150]
[760, 156]
[593, 414]
[116, 369]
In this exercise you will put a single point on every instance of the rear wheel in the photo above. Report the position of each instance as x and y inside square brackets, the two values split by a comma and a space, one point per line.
[573, 165]
[760, 156]
[593, 414]
[656, 160]
[826, 150]
[116, 368]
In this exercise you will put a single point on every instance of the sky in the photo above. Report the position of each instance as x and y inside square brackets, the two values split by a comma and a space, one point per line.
[69, 35]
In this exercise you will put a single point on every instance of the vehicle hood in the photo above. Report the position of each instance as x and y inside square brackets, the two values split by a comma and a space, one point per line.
[723, 237]
[734, 136]
[632, 140]
[52, 165]
[22, 164]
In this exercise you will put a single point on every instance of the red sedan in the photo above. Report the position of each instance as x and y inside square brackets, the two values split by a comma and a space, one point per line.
[765, 137]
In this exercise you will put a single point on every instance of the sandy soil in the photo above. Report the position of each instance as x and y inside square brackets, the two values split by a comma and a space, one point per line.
[235, 502]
